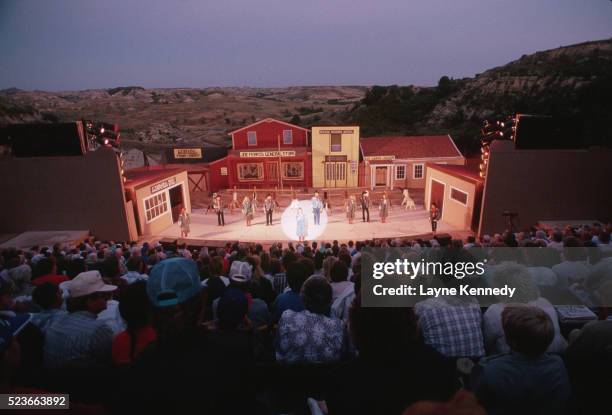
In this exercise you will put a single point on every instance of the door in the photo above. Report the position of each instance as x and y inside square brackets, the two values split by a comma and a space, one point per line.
[272, 171]
[437, 195]
[176, 201]
[335, 174]
[381, 176]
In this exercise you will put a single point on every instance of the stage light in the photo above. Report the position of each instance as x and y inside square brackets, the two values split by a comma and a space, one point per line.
[289, 222]
[101, 130]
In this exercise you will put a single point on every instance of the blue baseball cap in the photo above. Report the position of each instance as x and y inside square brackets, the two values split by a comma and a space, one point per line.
[173, 281]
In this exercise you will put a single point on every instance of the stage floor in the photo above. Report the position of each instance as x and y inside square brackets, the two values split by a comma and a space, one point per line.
[400, 223]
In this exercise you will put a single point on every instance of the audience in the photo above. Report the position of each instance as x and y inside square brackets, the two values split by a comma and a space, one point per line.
[221, 331]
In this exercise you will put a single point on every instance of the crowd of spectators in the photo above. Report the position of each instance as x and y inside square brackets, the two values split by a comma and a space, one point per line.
[245, 329]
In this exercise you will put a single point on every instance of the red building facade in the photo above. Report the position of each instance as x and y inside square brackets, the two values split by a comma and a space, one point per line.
[269, 154]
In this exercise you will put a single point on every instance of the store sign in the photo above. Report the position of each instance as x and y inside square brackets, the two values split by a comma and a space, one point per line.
[223, 171]
[336, 131]
[373, 158]
[335, 158]
[163, 185]
[285, 153]
[354, 165]
[187, 153]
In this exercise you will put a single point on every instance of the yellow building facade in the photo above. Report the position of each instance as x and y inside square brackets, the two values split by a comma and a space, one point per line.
[335, 156]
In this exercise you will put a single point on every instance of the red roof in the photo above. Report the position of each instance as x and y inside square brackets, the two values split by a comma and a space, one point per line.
[410, 147]
[470, 174]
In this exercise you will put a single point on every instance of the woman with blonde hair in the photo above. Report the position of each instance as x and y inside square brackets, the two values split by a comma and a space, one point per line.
[247, 210]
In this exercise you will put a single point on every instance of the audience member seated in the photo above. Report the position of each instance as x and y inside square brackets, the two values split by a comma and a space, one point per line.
[181, 371]
[48, 297]
[46, 269]
[291, 300]
[79, 339]
[574, 268]
[309, 335]
[516, 276]
[393, 369]
[527, 379]
[338, 276]
[134, 308]
[135, 270]
[589, 359]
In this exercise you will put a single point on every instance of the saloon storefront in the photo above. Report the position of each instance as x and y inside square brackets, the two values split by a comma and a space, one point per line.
[157, 197]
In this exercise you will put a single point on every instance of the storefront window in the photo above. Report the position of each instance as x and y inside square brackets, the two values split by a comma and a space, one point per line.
[293, 170]
[250, 171]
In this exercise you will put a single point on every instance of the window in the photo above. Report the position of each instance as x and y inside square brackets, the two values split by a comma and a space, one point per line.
[250, 171]
[400, 172]
[252, 138]
[417, 171]
[155, 206]
[459, 196]
[293, 170]
[335, 143]
[287, 137]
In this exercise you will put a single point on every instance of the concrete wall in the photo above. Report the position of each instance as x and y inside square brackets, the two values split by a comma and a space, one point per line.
[321, 148]
[545, 185]
[64, 193]
[453, 212]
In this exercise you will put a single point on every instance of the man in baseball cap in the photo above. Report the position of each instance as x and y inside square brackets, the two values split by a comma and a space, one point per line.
[79, 339]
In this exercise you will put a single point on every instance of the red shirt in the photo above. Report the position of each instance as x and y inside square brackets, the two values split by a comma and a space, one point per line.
[53, 279]
[122, 344]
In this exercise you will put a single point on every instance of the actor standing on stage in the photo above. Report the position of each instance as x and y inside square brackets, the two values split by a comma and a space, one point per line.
[351, 205]
[326, 204]
[268, 209]
[316, 208]
[254, 200]
[383, 208]
[184, 221]
[219, 208]
[234, 203]
[365, 205]
[434, 216]
[300, 223]
[247, 210]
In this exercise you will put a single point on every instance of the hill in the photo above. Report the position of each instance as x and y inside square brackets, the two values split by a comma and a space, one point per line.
[572, 81]
[159, 117]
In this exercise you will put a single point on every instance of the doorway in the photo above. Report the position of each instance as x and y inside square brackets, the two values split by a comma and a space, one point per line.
[335, 174]
[176, 201]
[381, 176]
[437, 195]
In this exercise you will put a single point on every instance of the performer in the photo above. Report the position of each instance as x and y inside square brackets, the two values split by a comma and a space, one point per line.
[326, 204]
[301, 225]
[316, 208]
[268, 209]
[254, 199]
[351, 204]
[407, 200]
[247, 210]
[211, 205]
[365, 205]
[383, 208]
[294, 201]
[219, 208]
[234, 203]
[184, 221]
[434, 216]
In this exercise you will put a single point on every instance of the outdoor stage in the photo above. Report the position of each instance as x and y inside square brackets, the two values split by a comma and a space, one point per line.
[400, 223]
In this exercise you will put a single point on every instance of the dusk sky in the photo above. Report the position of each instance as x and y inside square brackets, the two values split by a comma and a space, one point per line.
[76, 44]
